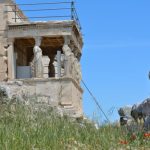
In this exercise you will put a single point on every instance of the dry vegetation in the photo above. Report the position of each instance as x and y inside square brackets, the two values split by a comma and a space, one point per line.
[24, 127]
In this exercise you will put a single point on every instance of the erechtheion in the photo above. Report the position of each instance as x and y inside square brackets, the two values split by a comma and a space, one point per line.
[43, 56]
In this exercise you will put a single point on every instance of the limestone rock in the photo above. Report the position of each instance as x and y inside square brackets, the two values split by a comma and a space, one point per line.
[4, 91]
[142, 110]
[18, 83]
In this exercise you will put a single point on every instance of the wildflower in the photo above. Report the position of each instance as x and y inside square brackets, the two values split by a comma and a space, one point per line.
[146, 135]
[123, 142]
[133, 137]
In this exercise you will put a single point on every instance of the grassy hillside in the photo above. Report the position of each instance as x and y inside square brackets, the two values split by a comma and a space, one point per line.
[25, 128]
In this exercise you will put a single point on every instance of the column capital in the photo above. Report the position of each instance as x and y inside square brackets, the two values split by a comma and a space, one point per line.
[66, 40]
[38, 40]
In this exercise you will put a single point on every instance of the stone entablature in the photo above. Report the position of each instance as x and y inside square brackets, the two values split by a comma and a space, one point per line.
[49, 29]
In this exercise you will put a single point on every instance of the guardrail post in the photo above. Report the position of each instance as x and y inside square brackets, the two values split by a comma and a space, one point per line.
[72, 10]
[15, 13]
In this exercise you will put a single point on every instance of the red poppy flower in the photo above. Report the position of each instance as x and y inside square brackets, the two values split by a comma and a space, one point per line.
[146, 135]
[123, 142]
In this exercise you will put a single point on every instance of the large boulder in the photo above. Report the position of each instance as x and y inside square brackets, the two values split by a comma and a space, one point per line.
[141, 111]
[124, 113]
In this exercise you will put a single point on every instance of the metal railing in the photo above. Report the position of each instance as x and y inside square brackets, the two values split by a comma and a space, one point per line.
[57, 11]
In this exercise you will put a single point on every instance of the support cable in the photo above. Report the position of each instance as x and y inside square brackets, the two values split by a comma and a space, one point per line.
[40, 17]
[41, 9]
[95, 100]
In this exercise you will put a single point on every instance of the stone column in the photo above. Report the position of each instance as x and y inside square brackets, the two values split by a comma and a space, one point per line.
[46, 61]
[62, 65]
[3, 61]
[59, 63]
[55, 67]
[11, 60]
[68, 57]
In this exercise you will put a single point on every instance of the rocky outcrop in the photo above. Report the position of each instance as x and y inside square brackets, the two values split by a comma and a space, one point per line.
[135, 114]
[142, 110]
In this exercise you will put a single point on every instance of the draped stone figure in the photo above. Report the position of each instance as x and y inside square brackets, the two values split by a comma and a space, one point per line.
[37, 60]
[77, 70]
[68, 59]
[79, 74]
[72, 65]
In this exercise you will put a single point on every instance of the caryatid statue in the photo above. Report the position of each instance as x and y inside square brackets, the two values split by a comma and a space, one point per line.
[68, 58]
[37, 60]
[72, 65]
[77, 70]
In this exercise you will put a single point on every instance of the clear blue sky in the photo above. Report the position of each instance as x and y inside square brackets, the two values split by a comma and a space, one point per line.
[116, 52]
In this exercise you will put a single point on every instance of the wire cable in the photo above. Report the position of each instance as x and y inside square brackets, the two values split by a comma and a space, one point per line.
[95, 100]
[41, 9]
[52, 3]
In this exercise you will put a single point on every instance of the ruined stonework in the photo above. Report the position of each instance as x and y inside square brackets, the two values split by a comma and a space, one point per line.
[43, 56]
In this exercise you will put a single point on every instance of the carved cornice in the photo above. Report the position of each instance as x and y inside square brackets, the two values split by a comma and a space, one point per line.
[52, 28]
[40, 25]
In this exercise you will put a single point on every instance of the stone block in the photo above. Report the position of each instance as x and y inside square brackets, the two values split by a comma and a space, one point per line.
[3, 65]
[44, 89]
[66, 97]
[2, 50]
[3, 76]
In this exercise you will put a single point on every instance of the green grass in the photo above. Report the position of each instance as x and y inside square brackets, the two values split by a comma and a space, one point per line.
[25, 128]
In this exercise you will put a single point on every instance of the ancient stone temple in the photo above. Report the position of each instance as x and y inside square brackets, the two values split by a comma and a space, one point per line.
[43, 57]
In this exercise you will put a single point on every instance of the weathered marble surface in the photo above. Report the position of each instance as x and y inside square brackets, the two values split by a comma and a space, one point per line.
[3, 65]
[72, 65]
[45, 61]
[37, 60]
[63, 94]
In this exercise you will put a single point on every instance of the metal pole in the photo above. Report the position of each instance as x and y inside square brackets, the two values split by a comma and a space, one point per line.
[72, 10]
[15, 13]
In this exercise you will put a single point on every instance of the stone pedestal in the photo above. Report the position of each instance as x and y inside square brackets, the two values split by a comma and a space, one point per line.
[46, 61]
